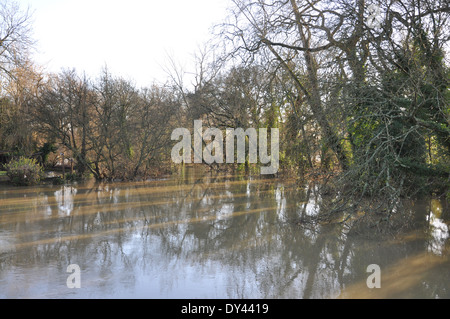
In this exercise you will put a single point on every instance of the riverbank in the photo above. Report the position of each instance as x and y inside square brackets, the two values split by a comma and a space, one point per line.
[55, 176]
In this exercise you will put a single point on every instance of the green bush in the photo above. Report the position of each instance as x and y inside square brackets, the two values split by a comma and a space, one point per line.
[24, 171]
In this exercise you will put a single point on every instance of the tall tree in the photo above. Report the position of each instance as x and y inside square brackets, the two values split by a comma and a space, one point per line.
[17, 76]
[15, 37]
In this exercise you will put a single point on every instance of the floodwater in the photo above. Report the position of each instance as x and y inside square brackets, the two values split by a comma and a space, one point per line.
[209, 235]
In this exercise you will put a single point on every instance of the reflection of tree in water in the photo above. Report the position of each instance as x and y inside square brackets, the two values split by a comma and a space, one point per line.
[305, 261]
[254, 238]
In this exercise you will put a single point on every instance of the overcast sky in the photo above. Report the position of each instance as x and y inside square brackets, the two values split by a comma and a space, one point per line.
[132, 37]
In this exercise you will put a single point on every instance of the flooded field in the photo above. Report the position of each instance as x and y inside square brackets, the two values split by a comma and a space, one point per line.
[208, 235]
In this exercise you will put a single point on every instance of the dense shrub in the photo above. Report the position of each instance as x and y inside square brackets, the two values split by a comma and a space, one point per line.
[24, 171]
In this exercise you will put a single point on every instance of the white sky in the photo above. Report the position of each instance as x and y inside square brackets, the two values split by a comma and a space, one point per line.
[131, 37]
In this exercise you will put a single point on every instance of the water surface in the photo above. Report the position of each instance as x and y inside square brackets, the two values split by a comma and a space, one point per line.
[209, 235]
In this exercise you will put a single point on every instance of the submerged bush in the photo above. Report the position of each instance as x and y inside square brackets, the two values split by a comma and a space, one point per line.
[24, 171]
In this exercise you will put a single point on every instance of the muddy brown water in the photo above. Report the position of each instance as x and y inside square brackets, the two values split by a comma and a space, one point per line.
[208, 235]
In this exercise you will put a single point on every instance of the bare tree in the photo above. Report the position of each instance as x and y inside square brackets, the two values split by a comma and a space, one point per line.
[15, 37]
[378, 93]
[62, 113]
[294, 36]
[18, 76]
